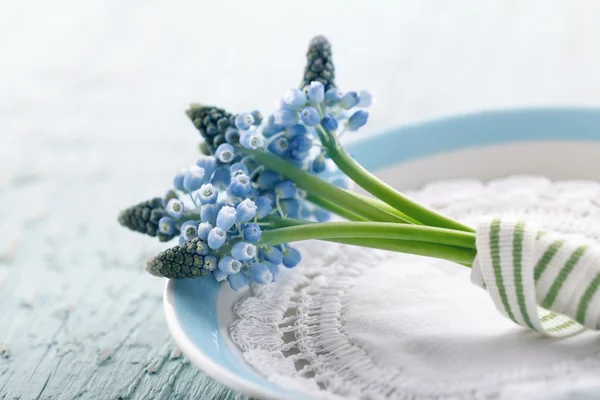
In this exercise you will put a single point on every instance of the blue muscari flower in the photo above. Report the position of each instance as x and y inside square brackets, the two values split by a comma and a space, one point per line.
[225, 153]
[333, 95]
[216, 238]
[166, 225]
[221, 177]
[193, 179]
[272, 128]
[349, 100]
[260, 273]
[291, 257]
[253, 194]
[300, 146]
[189, 230]
[232, 136]
[318, 164]
[357, 120]
[170, 194]
[274, 270]
[329, 122]
[294, 98]
[238, 281]
[341, 182]
[251, 140]
[203, 230]
[258, 117]
[226, 218]
[210, 262]
[219, 275]
[238, 168]
[316, 92]
[310, 116]
[286, 117]
[243, 251]
[178, 179]
[263, 207]
[230, 265]
[245, 211]
[305, 212]
[296, 130]
[365, 98]
[175, 208]
[208, 213]
[252, 232]
[279, 146]
[208, 194]
[267, 179]
[208, 163]
[240, 185]
[272, 254]
[290, 207]
[322, 215]
[285, 189]
[244, 121]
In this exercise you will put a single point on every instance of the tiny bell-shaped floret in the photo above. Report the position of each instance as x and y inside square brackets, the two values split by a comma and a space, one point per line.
[166, 225]
[210, 263]
[207, 194]
[272, 254]
[267, 179]
[252, 232]
[175, 208]
[240, 185]
[318, 164]
[279, 146]
[216, 238]
[357, 120]
[263, 207]
[208, 163]
[245, 211]
[225, 153]
[333, 95]
[189, 230]
[193, 179]
[349, 100]
[365, 98]
[258, 117]
[291, 257]
[244, 121]
[294, 98]
[238, 282]
[238, 168]
[329, 122]
[221, 177]
[230, 265]
[260, 273]
[226, 218]
[203, 230]
[285, 189]
[274, 270]
[243, 251]
[251, 140]
[310, 116]
[286, 117]
[178, 179]
[316, 92]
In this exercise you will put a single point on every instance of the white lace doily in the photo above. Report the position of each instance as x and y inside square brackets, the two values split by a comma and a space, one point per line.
[364, 324]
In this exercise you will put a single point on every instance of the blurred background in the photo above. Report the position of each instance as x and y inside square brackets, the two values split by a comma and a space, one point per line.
[92, 100]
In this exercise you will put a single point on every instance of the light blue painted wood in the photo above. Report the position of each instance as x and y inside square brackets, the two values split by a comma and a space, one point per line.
[92, 95]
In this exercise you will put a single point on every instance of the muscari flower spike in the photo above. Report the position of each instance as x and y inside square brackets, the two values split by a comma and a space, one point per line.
[233, 196]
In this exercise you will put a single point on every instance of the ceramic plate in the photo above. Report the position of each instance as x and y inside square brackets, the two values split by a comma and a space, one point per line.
[559, 143]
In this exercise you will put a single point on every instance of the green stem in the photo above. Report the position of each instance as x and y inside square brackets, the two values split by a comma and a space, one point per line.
[459, 255]
[386, 207]
[380, 189]
[334, 208]
[329, 192]
[380, 230]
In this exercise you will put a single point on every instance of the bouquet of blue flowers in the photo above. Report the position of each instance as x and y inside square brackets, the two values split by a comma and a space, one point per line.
[262, 183]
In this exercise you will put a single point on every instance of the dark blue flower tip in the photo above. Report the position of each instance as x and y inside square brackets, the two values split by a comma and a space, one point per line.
[291, 257]
[319, 65]
[232, 136]
[258, 117]
[329, 122]
[144, 218]
[357, 120]
[182, 261]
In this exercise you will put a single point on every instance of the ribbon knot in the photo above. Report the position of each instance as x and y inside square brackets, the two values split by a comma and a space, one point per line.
[541, 280]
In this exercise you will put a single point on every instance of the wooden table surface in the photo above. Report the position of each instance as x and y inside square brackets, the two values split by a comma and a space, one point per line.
[92, 95]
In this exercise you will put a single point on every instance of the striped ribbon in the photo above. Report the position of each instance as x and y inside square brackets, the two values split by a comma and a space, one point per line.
[541, 280]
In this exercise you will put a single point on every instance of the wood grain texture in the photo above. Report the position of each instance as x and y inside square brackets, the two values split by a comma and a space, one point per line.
[92, 96]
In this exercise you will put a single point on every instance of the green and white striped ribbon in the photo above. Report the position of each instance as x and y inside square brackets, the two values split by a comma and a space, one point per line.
[541, 280]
